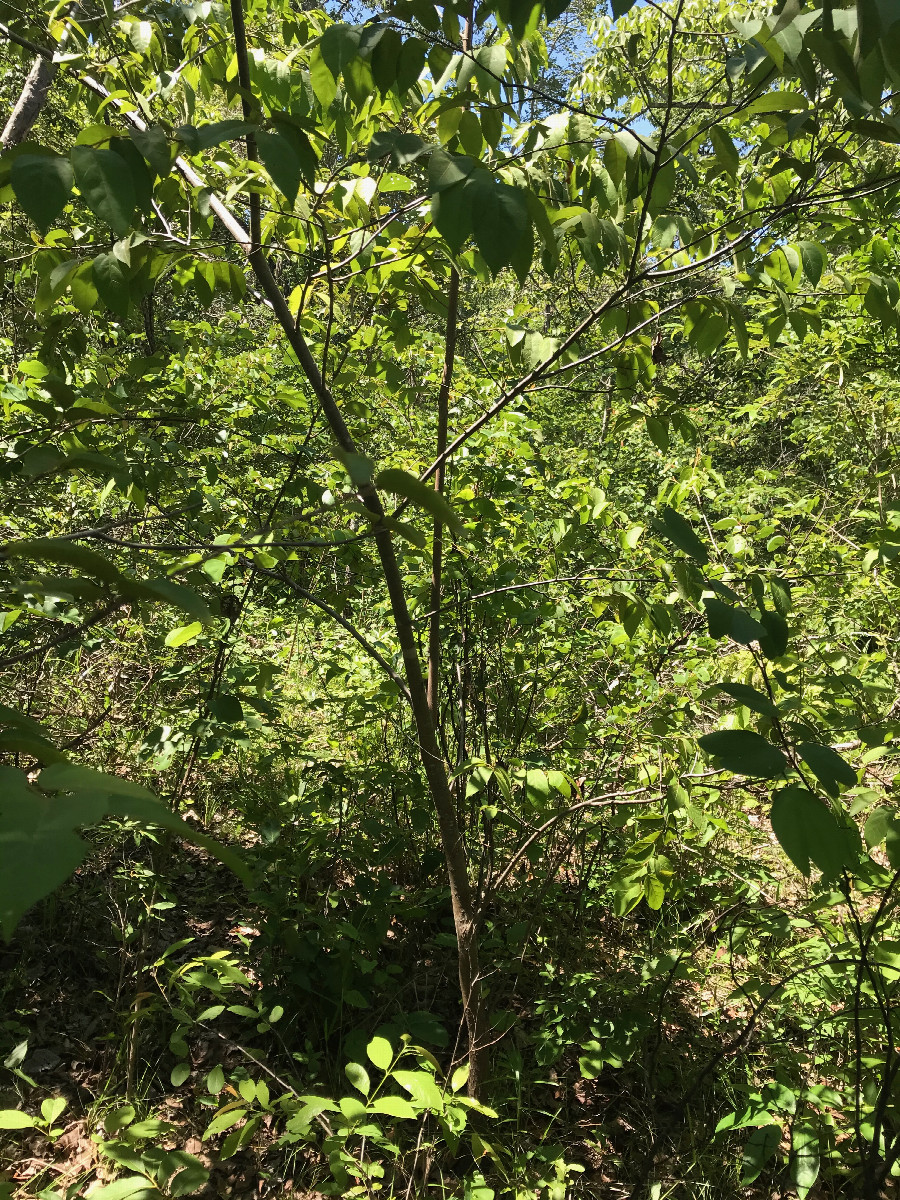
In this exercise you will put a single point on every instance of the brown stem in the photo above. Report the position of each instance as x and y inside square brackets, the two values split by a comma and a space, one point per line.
[437, 543]
[243, 65]
[455, 856]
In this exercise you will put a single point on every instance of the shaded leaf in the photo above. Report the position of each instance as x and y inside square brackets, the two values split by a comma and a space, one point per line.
[808, 832]
[745, 753]
[42, 184]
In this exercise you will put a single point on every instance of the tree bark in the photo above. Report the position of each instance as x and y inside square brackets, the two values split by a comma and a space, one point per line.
[31, 100]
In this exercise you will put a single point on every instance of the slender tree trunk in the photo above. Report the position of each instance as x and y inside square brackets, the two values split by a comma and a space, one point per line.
[33, 96]
[465, 916]
[437, 543]
[31, 100]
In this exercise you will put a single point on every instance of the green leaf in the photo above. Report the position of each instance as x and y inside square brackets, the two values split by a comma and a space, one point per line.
[52, 1108]
[222, 1121]
[751, 697]
[339, 46]
[180, 1073]
[773, 102]
[13, 1118]
[422, 1088]
[745, 753]
[681, 533]
[169, 592]
[111, 281]
[38, 845]
[760, 1147]
[280, 159]
[537, 786]
[154, 146]
[725, 150]
[829, 768]
[812, 255]
[118, 1119]
[215, 1080]
[132, 1187]
[18, 741]
[393, 1106]
[460, 1077]
[654, 892]
[42, 184]
[804, 1157]
[59, 550]
[380, 1053]
[726, 620]
[123, 798]
[423, 495]
[659, 434]
[808, 832]
[105, 183]
[204, 137]
[184, 633]
[775, 642]
[359, 1077]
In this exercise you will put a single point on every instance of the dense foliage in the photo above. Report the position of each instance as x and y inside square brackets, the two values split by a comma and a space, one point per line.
[449, 581]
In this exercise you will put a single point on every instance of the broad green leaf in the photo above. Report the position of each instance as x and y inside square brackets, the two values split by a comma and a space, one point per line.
[204, 137]
[745, 753]
[681, 533]
[111, 281]
[339, 46]
[725, 150]
[52, 1108]
[773, 102]
[105, 183]
[726, 620]
[352, 1108]
[38, 843]
[460, 1077]
[359, 1077]
[394, 1106]
[423, 495]
[750, 697]
[169, 592]
[132, 1187]
[537, 786]
[280, 159]
[422, 1088]
[812, 256]
[42, 184]
[775, 642]
[59, 550]
[118, 1118]
[223, 1120]
[184, 633]
[154, 146]
[13, 1118]
[380, 1053]
[760, 1147]
[884, 826]
[829, 768]
[808, 832]
[804, 1157]
[654, 891]
[21, 741]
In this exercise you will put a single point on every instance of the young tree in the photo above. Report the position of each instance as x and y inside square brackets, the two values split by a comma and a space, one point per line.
[367, 183]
